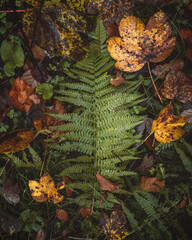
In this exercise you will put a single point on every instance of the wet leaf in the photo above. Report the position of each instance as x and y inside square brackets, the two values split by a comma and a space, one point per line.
[16, 140]
[59, 28]
[105, 184]
[20, 95]
[62, 215]
[118, 80]
[151, 184]
[110, 11]
[47, 122]
[11, 192]
[84, 211]
[113, 226]
[167, 127]
[45, 190]
[139, 44]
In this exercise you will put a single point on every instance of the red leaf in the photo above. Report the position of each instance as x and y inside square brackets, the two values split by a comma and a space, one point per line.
[84, 211]
[62, 215]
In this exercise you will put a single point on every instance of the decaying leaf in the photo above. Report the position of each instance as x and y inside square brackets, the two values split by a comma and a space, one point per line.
[62, 215]
[105, 184]
[111, 11]
[118, 80]
[151, 184]
[10, 192]
[167, 127]
[146, 164]
[113, 226]
[47, 122]
[16, 140]
[65, 182]
[45, 190]
[112, 30]
[40, 235]
[139, 44]
[84, 211]
[38, 53]
[187, 36]
[59, 28]
[183, 202]
[22, 95]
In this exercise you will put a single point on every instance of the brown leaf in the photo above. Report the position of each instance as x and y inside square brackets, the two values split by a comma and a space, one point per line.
[46, 122]
[11, 192]
[187, 36]
[138, 44]
[105, 184]
[16, 140]
[45, 190]
[38, 53]
[118, 80]
[146, 164]
[112, 30]
[84, 211]
[62, 215]
[151, 184]
[40, 235]
[183, 202]
[110, 11]
[188, 113]
[67, 181]
[20, 93]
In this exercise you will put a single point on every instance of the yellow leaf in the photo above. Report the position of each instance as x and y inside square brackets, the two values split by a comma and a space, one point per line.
[45, 190]
[167, 127]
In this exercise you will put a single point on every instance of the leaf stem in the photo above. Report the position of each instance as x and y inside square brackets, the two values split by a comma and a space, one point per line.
[153, 82]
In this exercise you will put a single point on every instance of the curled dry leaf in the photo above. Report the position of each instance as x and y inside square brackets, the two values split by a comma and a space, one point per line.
[84, 211]
[40, 235]
[139, 44]
[118, 80]
[110, 11]
[16, 140]
[151, 184]
[47, 122]
[113, 226]
[62, 215]
[105, 184]
[11, 192]
[167, 127]
[45, 190]
[20, 95]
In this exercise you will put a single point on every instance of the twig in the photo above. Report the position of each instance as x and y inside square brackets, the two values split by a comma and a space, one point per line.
[4, 166]
[153, 82]
[19, 10]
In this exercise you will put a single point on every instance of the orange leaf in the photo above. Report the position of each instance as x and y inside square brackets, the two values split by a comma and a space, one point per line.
[138, 44]
[151, 184]
[118, 80]
[105, 184]
[16, 140]
[84, 211]
[20, 95]
[167, 127]
[62, 215]
[45, 190]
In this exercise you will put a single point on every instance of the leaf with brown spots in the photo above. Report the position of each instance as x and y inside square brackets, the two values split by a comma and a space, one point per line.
[45, 190]
[58, 28]
[139, 44]
[151, 184]
[105, 184]
[111, 11]
[167, 127]
[16, 140]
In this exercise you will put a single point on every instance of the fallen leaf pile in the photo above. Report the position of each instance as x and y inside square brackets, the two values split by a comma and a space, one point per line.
[139, 44]
[113, 226]
[110, 11]
[167, 127]
[16, 140]
[151, 184]
[45, 190]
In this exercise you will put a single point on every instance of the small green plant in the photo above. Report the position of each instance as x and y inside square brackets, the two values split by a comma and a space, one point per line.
[46, 90]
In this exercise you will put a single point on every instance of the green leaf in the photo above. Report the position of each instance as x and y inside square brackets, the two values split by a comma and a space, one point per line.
[45, 89]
